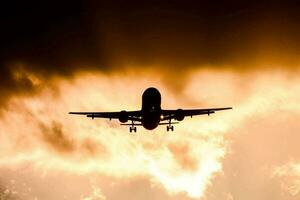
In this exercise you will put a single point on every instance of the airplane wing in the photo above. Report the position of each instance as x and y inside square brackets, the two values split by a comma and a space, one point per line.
[179, 114]
[130, 115]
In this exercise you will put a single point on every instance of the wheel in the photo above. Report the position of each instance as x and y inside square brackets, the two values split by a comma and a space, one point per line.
[132, 129]
[170, 128]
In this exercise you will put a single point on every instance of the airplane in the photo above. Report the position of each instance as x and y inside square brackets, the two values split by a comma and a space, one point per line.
[151, 115]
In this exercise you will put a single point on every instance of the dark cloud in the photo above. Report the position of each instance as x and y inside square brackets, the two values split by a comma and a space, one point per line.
[15, 81]
[6, 194]
[59, 38]
[54, 136]
[60, 141]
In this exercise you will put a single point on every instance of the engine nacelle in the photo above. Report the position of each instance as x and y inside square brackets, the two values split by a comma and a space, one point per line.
[123, 116]
[179, 116]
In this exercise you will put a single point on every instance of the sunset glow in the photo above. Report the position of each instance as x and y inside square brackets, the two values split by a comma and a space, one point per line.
[37, 132]
[100, 56]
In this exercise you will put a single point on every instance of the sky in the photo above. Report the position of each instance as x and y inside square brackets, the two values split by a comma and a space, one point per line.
[57, 57]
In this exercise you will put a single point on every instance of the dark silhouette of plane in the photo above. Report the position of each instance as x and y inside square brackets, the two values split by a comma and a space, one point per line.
[151, 115]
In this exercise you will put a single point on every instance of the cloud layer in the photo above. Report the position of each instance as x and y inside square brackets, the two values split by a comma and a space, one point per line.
[54, 38]
[233, 154]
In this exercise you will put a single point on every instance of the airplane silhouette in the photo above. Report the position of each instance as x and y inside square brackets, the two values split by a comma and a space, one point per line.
[151, 115]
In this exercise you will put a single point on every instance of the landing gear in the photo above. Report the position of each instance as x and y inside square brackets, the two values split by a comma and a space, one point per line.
[170, 127]
[132, 127]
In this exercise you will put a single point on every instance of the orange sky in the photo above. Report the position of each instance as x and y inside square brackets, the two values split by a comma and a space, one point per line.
[58, 57]
[250, 152]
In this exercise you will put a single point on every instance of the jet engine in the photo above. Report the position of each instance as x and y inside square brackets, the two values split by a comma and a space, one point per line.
[179, 116]
[123, 116]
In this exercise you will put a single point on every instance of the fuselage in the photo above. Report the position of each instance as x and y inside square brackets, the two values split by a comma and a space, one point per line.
[151, 108]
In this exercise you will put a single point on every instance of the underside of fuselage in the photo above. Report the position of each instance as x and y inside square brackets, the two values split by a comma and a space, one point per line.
[150, 120]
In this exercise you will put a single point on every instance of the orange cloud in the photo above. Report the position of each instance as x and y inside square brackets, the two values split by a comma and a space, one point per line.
[39, 131]
[289, 175]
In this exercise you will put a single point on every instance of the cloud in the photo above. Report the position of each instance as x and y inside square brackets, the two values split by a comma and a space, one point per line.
[96, 194]
[55, 137]
[223, 154]
[53, 140]
[171, 39]
[6, 194]
[289, 175]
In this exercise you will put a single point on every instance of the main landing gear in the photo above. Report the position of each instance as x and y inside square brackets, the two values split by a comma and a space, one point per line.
[132, 127]
[170, 127]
